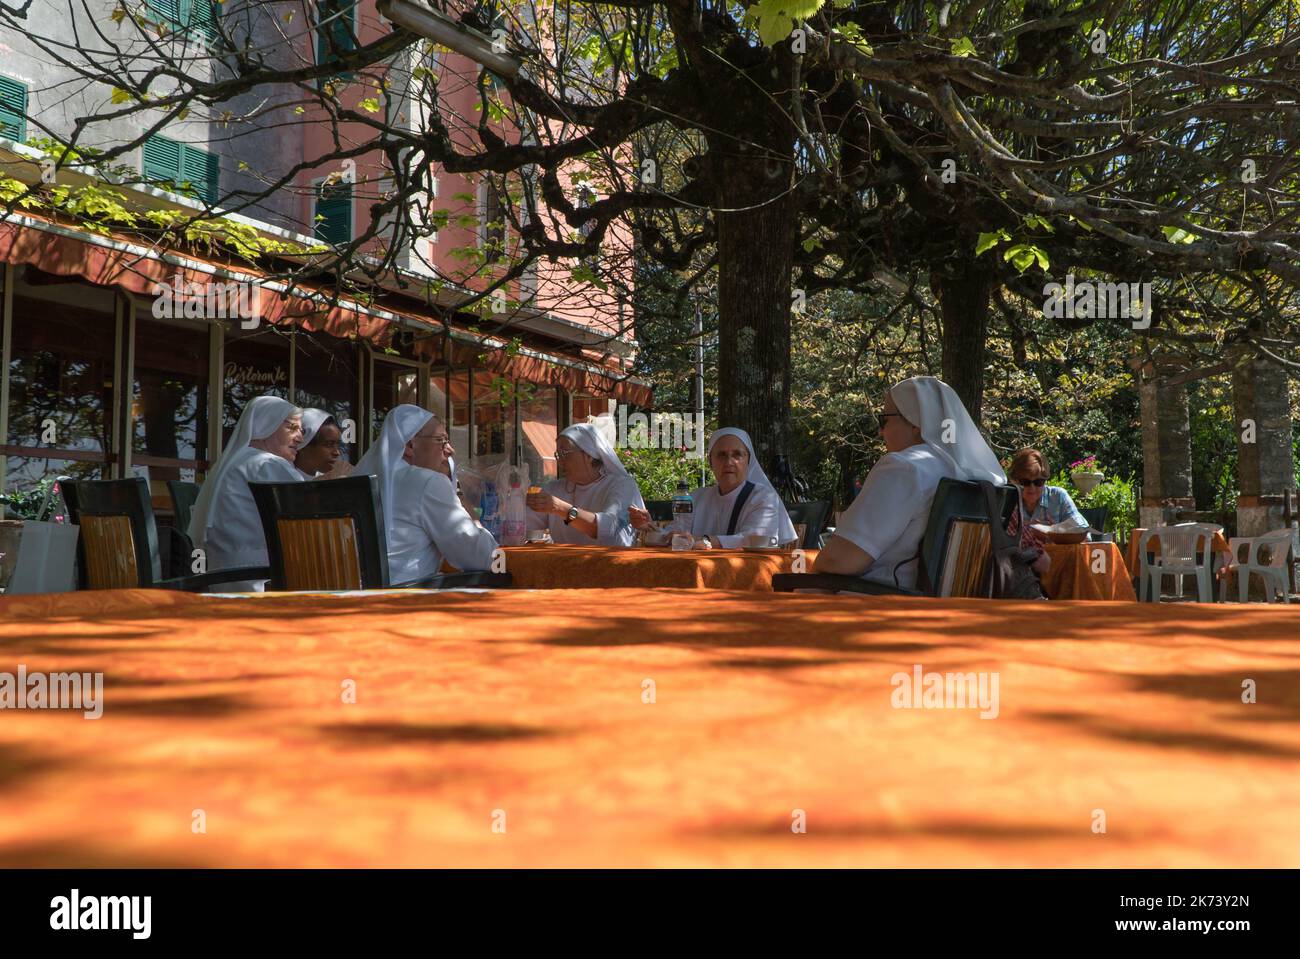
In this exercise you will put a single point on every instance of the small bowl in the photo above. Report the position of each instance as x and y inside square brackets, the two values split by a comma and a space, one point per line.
[1067, 539]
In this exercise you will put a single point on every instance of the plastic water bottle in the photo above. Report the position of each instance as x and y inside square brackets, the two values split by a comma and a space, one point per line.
[514, 525]
[683, 513]
[491, 511]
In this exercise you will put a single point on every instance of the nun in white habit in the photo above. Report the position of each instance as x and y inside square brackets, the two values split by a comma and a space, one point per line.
[225, 522]
[424, 520]
[589, 503]
[742, 503]
[928, 436]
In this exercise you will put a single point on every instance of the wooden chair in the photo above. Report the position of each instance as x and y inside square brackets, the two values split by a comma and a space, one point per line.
[119, 540]
[954, 549]
[329, 536]
[812, 516]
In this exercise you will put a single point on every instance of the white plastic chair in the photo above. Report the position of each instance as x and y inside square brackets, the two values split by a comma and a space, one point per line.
[1273, 573]
[1179, 546]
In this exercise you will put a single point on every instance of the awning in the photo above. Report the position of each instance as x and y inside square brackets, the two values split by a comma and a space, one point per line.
[115, 262]
[545, 369]
[542, 437]
[135, 269]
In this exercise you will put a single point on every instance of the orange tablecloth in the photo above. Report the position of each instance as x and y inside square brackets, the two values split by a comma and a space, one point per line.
[1088, 571]
[531, 706]
[604, 567]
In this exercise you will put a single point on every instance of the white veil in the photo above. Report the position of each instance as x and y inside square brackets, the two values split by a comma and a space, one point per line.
[260, 418]
[756, 476]
[588, 438]
[933, 405]
[312, 420]
[384, 459]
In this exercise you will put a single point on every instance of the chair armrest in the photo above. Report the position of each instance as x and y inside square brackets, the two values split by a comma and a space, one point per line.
[472, 580]
[788, 582]
[200, 581]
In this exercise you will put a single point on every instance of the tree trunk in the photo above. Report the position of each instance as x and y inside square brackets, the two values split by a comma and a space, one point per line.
[756, 233]
[963, 289]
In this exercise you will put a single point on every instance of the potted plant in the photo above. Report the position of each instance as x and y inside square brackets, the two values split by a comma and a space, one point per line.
[1085, 474]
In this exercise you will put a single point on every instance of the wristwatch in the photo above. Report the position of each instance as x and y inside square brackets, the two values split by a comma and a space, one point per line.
[571, 515]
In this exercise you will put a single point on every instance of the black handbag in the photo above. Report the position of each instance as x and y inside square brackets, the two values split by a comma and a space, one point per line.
[1010, 573]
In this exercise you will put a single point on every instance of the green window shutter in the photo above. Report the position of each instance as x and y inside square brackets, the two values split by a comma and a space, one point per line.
[168, 11]
[202, 18]
[162, 159]
[203, 170]
[336, 29]
[334, 203]
[13, 110]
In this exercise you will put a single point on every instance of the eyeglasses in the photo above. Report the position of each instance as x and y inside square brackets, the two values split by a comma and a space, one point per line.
[1032, 482]
[561, 454]
[442, 440]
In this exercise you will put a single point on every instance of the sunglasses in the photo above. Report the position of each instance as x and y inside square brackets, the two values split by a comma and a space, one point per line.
[1033, 482]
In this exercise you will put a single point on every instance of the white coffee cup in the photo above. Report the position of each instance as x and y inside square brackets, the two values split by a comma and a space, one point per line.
[758, 541]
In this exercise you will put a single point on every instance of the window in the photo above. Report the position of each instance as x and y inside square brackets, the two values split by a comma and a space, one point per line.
[325, 377]
[336, 32]
[494, 223]
[169, 400]
[182, 168]
[394, 384]
[537, 422]
[255, 363]
[13, 110]
[60, 380]
[493, 437]
[586, 199]
[333, 219]
[193, 17]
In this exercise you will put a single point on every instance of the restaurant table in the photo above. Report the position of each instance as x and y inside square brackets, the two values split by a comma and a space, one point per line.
[1088, 571]
[566, 566]
[648, 728]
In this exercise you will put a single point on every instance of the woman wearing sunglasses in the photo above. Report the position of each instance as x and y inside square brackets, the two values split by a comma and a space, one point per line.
[1040, 504]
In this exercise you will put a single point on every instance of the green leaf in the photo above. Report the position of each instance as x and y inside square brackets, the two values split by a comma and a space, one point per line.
[773, 28]
[987, 241]
[299, 110]
[1034, 221]
[1176, 234]
[369, 104]
[1023, 255]
[963, 47]
[119, 95]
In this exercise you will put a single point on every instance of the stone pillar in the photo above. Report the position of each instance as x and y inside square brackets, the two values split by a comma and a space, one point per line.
[1166, 451]
[1264, 460]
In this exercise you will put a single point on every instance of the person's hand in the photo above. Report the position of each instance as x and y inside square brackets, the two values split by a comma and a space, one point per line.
[340, 469]
[1042, 564]
[639, 518]
[546, 503]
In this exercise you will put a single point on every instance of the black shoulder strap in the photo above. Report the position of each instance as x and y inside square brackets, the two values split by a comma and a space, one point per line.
[740, 504]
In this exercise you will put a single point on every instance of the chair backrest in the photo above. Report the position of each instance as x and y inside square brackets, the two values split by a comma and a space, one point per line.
[958, 501]
[324, 535]
[119, 542]
[967, 556]
[1271, 548]
[184, 496]
[660, 510]
[812, 516]
[1182, 543]
[1096, 517]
